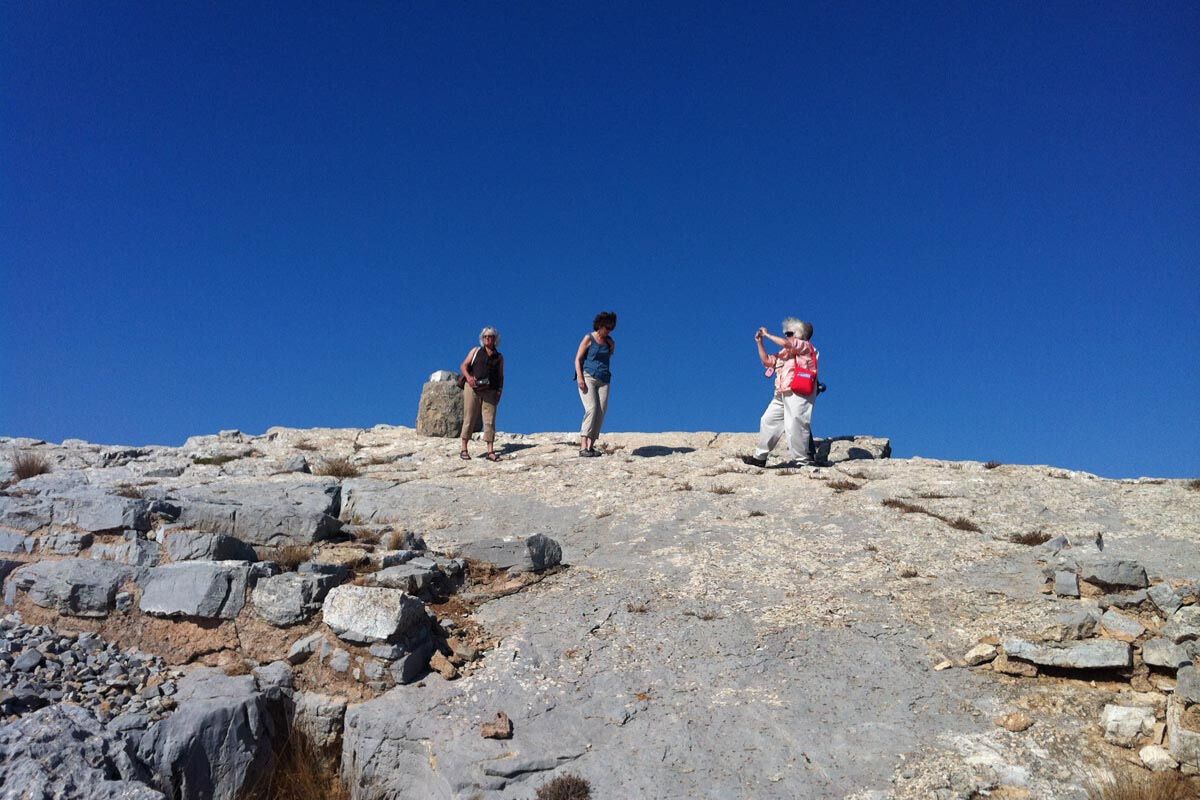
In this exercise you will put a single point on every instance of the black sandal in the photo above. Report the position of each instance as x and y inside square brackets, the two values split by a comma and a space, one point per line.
[464, 455]
[492, 456]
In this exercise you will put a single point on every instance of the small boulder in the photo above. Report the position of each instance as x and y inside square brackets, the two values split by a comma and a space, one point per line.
[76, 587]
[1066, 583]
[534, 554]
[1121, 627]
[1016, 722]
[1164, 653]
[979, 654]
[1125, 725]
[1071, 625]
[1183, 625]
[205, 589]
[288, 599]
[1157, 759]
[1164, 599]
[1187, 685]
[365, 614]
[1113, 573]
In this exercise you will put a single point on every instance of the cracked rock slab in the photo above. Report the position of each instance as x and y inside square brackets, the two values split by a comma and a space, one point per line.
[205, 589]
[1092, 654]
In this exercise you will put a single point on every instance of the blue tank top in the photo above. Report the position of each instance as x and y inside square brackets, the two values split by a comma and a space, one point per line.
[595, 363]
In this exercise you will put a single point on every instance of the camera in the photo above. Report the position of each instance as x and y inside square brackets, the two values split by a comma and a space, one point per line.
[820, 387]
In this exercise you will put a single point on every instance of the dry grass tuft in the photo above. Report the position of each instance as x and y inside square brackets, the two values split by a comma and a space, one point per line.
[722, 490]
[26, 465]
[132, 492]
[1193, 484]
[239, 667]
[336, 468]
[992, 465]
[783, 473]
[287, 557]
[1032, 538]
[1140, 785]
[843, 486]
[933, 496]
[640, 607]
[757, 513]
[302, 772]
[305, 444]
[683, 487]
[706, 616]
[964, 524]
[565, 787]
[905, 507]
[908, 572]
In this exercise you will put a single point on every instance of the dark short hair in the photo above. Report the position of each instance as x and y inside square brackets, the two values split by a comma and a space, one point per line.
[608, 319]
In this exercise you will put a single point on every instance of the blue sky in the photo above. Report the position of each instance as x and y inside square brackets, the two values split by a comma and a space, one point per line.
[223, 216]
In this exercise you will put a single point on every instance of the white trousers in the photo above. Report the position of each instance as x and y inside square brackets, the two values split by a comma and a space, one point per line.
[789, 414]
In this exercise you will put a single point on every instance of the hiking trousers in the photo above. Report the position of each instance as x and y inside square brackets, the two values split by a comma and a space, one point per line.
[595, 406]
[788, 414]
[474, 402]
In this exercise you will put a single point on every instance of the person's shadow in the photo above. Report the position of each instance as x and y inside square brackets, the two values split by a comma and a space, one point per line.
[655, 450]
[513, 447]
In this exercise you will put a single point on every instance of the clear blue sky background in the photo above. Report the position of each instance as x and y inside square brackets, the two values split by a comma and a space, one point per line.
[245, 215]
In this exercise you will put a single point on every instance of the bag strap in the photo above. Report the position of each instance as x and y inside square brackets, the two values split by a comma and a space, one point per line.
[816, 360]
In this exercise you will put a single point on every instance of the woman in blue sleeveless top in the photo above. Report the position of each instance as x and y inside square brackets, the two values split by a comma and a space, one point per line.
[593, 376]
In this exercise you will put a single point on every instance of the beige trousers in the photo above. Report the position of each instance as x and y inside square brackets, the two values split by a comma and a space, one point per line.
[484, 400]
[595, 406]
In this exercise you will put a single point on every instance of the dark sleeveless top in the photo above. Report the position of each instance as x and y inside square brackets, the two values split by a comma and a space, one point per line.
[595, 363]
[488, 368]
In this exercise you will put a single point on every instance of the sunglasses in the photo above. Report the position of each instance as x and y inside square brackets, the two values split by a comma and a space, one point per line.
[789, 333]
[493, 336]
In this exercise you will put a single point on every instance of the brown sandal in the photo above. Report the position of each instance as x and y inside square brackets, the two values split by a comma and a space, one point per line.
[492, 456]
[464, 455]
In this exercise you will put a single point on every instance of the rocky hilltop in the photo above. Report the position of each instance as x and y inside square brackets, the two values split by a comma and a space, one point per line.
[662, 622]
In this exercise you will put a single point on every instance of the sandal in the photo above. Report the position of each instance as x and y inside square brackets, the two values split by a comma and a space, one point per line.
[464, 455]
[492, 456]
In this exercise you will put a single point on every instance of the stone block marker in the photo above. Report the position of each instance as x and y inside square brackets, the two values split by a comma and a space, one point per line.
[440, 412]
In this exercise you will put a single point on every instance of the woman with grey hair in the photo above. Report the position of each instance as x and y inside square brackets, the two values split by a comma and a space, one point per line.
[482, 376]
[790, 411]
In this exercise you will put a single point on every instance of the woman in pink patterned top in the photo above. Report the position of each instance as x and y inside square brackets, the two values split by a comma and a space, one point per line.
[788, 413]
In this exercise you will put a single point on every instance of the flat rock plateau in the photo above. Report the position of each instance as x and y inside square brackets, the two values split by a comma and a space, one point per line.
[663, 621]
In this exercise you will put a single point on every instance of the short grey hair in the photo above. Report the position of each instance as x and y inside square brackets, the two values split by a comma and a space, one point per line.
[802, 329]
[486, 330]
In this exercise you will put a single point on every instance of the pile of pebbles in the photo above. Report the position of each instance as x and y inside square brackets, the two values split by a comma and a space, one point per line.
[125, 689]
